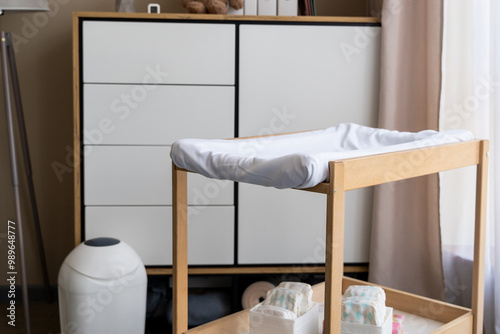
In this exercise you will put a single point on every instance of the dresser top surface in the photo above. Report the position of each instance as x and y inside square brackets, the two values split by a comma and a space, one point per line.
[225, 18]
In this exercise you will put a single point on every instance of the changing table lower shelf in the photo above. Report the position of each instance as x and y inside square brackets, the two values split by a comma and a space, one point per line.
[414, 324]
[422, 315]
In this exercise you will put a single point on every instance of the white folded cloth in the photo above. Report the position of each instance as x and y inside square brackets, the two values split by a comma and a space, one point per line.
[297, 160]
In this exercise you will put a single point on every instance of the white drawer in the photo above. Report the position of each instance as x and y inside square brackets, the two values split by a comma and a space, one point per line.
[313, 85]
[148, 230]
[142, 175]
[290, 226]
[155, 115]
[158, 52]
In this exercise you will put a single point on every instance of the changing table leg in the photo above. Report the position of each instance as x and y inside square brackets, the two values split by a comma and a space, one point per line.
[334, 265]
[480, 239]
[179, 255]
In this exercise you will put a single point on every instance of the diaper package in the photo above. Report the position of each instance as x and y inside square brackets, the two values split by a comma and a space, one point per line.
[285, 298]
[363, 310]
[367, 291]
[306, 294]
[364, 305]
[276, 311]
[287, 309]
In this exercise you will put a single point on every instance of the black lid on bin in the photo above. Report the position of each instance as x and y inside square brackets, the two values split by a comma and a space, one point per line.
[93, 259]
[102, 242]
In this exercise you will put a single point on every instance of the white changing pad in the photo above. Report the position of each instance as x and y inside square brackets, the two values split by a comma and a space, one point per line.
[297, 160]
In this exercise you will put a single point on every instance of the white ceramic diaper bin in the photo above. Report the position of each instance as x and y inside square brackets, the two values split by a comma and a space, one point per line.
[102, 289]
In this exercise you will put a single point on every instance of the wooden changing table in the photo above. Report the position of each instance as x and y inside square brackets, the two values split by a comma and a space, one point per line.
[345, 175]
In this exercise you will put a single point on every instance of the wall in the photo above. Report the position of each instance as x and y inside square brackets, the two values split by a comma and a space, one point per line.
[43, 44]
[342, 7]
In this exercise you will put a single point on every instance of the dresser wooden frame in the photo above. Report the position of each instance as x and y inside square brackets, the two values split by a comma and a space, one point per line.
[77, 130]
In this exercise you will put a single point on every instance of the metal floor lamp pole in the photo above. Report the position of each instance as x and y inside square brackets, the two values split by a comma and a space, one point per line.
[9, 66]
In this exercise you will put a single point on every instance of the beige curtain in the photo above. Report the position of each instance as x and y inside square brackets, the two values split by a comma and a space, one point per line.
[406, 242]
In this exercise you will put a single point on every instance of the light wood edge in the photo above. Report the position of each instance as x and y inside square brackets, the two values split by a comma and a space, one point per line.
[318, 292]
[174, 167]
[462, 324]
[383, 168]
[235, 323]
[221, 18]
[76, 133]
[322, 188]
[179, 251]
[240, 322]
[480, 238]
[415, 304]
[334, 250]
[255, 270]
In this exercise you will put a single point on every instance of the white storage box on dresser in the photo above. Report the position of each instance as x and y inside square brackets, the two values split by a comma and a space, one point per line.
[144, 81]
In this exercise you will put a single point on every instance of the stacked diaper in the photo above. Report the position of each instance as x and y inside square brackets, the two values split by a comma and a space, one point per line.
[276, 311]
[369, 291]
[287, 309]
[364, 305]
[288, 300]
[305, 292]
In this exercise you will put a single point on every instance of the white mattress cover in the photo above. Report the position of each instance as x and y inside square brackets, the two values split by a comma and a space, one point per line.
[298, 160]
